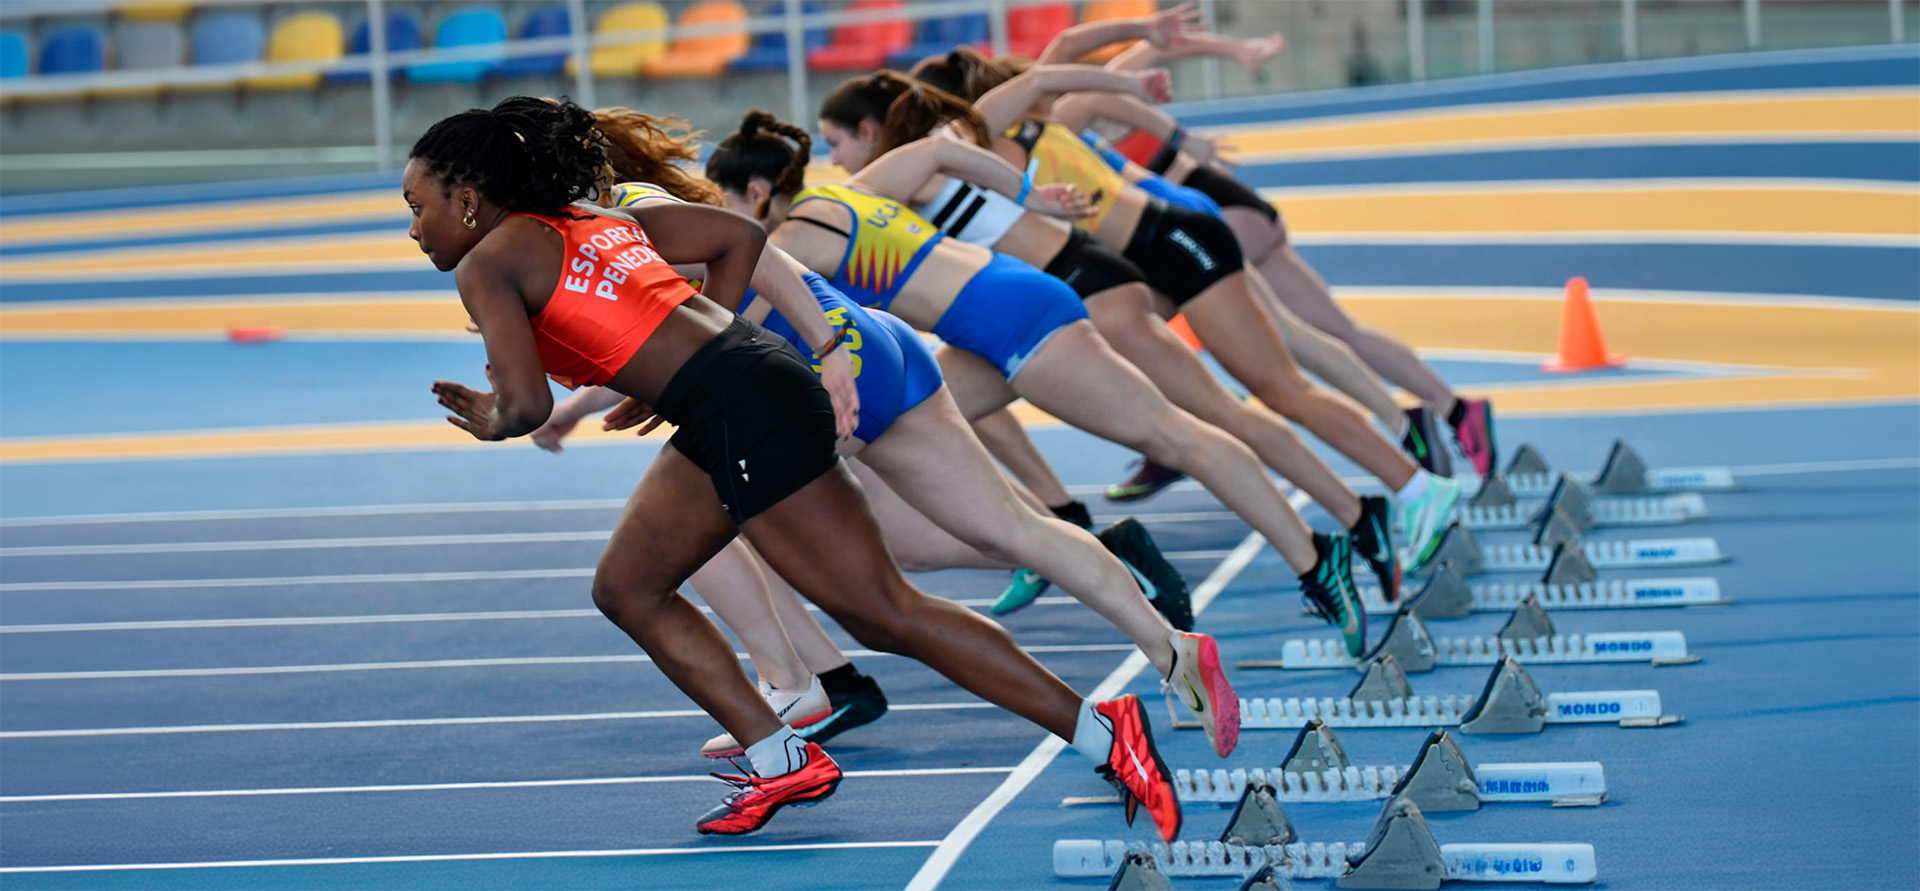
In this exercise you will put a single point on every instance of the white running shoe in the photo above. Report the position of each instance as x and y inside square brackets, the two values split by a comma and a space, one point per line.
[1424, 519]
[797, 709]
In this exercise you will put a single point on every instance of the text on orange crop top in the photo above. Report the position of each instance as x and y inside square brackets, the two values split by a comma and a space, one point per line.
[613, 293]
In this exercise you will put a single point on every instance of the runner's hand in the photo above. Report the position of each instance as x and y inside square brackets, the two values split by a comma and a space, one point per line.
[1059, 200]
[632, 413]
[555, 429]
[837, 375]
[1164, 27]
[472, 410]
[1153, 84]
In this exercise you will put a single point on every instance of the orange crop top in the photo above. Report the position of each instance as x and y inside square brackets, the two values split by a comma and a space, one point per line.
[613, 293]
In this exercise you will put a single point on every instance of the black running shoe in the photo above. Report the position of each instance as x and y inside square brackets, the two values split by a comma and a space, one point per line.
[1147, 480]
[1329, 592]
[1162, 584]
[1373, 539]
[1074, 512]
[862, 702]
[1423, 444]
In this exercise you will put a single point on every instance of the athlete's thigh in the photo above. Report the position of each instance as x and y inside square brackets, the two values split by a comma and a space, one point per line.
[824, 541]
[672, 524]
[977, 386]
[939, 467]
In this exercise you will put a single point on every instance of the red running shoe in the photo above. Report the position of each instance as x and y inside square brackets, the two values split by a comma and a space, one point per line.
[755, 801]
[1134, 766]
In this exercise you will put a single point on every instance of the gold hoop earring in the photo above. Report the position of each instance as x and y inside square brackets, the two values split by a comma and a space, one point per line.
[468, 219]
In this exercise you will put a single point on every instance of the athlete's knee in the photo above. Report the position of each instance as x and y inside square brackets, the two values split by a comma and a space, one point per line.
[616, 597]
[889, 628]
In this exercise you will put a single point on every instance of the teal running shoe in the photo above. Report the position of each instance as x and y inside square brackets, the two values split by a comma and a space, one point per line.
[1329, 592]
[1026, 587]
[1424, 519]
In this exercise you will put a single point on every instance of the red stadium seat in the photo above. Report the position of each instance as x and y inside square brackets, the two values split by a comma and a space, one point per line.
[863, 47]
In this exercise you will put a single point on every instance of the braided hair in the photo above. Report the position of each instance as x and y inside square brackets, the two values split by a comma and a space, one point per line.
[527, 155]
[759, 150]
[905, 109]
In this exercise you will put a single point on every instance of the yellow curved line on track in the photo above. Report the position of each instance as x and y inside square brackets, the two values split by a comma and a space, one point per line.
[429, 316]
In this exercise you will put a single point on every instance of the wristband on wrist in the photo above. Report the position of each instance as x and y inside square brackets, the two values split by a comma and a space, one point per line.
[1026, 184]
[833, 343]
[1177, 138]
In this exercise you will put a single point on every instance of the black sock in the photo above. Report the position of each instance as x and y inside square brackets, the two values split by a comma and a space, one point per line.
[1457, 415]
[1322, 543]
[1074, 512]
[840, 681]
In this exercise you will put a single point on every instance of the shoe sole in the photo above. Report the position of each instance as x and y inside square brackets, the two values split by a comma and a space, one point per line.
[1421, 559]
[809, 801]
[797, 724]
[1223, 731]
[852, 719]
[1002, 606]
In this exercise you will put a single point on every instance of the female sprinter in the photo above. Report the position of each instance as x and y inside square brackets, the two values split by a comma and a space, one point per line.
[1192, 259]
[588, 295]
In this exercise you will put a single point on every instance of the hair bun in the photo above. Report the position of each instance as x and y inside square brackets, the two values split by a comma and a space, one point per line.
[755, 121]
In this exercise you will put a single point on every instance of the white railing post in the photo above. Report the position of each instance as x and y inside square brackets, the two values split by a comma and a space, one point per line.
[1486, 36]
[1417, 39]
[1210, 66]
[796, 65]
[582, 53]
[997, 26]
[1899, 21]
[1753, 24]
[382, 82]
[1630, 29]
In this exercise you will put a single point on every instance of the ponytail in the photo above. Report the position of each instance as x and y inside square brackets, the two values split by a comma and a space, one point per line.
[965, 72]
[643, 148]
[903, 108]
[759, 150]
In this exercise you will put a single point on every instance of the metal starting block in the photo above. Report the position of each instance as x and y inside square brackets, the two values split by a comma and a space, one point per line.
[1400, 852]
[1494, 507]
[1417, 650]
[1623, 473]
[1510, 702]
[1570, 583]
[1458, 547]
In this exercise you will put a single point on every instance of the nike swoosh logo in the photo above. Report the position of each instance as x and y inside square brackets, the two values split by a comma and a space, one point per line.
[1381, 551]
[1147, 588]
[1197, 704]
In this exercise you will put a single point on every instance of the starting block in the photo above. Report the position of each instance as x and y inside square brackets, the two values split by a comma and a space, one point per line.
[1570, 585]
[1510, 702]
[1439, 779]
[1494, 507]
[1458, 547]
[1400, 852]
[1623, 473]
[1416, 649]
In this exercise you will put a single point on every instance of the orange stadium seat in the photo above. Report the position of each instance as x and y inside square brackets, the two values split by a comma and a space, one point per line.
[628, 58]
[1102, 10]
[704, 55]
[311, 36]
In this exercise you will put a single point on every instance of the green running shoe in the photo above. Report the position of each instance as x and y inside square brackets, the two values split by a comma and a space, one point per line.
[1026, 587]
[1329, 592]
[1424, 519]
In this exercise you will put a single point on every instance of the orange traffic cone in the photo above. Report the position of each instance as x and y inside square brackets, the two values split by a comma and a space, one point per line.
[1582, 346]
[1180, 327]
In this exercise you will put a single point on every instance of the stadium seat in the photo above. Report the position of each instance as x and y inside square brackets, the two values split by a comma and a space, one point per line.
[863, 47]
[403, 35]
[626, 59]
[545, 22]
[1102, 10]
[15, 58]
[937, 36]
[310, 36]
[228, 38]
[471, 26]
[704, 55]
[769, 49]
[74, 49]
[139, 44]
[1031, 28]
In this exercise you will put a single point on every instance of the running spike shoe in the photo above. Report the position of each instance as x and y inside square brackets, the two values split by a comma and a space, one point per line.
[1074, 512]
[1026, 587]
[1163, 585]
[1373, 538]
[1147, 480]
[1134, 766]
[1472, 421]
[1201, 684]
[796, 709]
[1328, 590]
[862, 702]
[1422, 443]
[756, 799]
[1424, 519]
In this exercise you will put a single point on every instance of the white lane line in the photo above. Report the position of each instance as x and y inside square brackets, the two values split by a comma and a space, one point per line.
[1385, 238]
[447, 858]
[167, 729]
[941, 861]
[380, 578]
[416, 665]
[455, 787]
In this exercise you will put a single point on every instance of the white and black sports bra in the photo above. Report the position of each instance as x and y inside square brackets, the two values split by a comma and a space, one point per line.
[971, 213]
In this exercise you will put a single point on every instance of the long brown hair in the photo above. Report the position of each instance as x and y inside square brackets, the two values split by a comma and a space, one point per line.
[759, 149]
[643, 148]
[965, 72]
[905, 109]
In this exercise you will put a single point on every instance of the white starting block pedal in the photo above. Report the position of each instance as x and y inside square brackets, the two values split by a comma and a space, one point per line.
[1570, 584]
[1400, 852]
[1623, 473]
[1495, 508]
[1529, 637]
[1441, 778]
[1510, 702]
[1470, 557]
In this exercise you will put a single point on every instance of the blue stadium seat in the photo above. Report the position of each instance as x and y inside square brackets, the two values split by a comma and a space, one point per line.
[547, 21]
[15, 59]
[472, 26]
[403, 35]
[75, 49]
[769, 51]
[937, 36]
[228, 38]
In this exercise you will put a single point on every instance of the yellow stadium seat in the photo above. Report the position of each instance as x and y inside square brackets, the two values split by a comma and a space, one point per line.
[628, 58]
[704, 55]
[1101, 10]
[161, 11]
[303, 37]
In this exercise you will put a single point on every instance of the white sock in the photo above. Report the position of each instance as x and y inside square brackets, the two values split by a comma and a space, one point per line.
[1400, 427]
[1092, 733]
[1415, 488]
[778, 755]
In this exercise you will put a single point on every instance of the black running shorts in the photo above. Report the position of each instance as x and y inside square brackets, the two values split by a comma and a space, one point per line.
[751, 414]
[1227, 191]
[1183, 252]
[1089, 267]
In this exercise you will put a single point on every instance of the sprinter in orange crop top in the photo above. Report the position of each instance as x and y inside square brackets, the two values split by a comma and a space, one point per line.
[493, 195]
